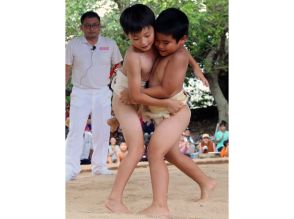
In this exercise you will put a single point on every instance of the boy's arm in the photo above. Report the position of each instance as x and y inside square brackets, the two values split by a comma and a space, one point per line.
[156, 91]
[197, 70]
[173, 79]
[133, 67]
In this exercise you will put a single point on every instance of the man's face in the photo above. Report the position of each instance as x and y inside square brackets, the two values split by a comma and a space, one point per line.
[166, 44]
[143, 40]
[91, 28]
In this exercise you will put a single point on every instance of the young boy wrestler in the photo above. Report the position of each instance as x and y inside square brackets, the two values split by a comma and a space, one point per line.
[166, 81]
[137, 22]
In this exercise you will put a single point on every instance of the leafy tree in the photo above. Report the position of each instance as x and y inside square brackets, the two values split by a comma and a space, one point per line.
[208, 34]
[74, 10]
[208, 43]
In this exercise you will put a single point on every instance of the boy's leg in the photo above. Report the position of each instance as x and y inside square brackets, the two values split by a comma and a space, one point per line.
[133, 134]
[166, 134]
[186, 165]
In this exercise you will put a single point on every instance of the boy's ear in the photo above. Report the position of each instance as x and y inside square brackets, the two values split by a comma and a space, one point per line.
[183, 40]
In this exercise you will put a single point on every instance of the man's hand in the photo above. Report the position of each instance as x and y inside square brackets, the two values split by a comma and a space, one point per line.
[124, 97]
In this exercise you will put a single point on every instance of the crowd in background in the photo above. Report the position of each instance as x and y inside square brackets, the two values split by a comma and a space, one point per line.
[191, 145]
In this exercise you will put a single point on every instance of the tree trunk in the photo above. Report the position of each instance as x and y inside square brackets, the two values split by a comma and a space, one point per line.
[221, 102]
[215, 60]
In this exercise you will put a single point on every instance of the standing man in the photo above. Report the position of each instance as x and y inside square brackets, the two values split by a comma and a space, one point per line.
[90, 58]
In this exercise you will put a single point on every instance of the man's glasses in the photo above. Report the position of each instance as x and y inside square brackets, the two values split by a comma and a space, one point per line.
[93, 26]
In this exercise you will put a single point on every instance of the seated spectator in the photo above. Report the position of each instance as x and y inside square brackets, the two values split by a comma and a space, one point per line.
[119, 136]
[147, 137]
[122, 152]
[114, 124]
[206, 145]
[88, 146]
[148, 129]
[225, 150]
[183, 145]
[148, 126]
[221, 135]
[190, 140]
[145, 154]
[187, 134]
[113, 150]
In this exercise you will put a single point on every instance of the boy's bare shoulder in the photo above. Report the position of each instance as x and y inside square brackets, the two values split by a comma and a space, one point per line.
[131, 55]
[180, 55]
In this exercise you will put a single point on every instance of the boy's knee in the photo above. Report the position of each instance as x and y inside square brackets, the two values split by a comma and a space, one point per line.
[154, 154]
[138, 151]
[173, 158]
[141, 151]
[169, 158]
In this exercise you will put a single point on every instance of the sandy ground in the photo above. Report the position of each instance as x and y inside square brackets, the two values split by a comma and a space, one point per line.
[85, 196]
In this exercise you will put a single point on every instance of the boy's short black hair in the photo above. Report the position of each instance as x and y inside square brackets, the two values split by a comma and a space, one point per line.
[134, 18]
[223, 123]
[89, 14]
[172, 22]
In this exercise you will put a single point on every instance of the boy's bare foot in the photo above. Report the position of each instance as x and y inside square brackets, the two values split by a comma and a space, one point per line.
[116, 206]
[155, 211]
[207, 189]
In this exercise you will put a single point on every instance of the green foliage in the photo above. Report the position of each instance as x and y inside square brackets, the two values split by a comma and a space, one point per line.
[208, 19]
[112, 29]
[74, 10]
[67, 99]
[208, 24]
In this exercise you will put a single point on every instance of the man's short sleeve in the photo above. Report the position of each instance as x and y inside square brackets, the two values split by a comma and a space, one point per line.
[116, 55]
[68, 54]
